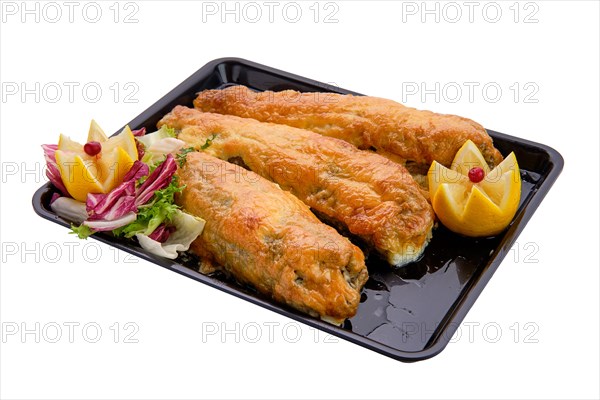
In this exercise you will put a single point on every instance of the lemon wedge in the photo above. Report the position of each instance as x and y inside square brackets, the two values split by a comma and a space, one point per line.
[470, 206]
[468, 157]
[113, 166]
[65, 143]
[78, 175]
[96, 134]
[125, 139]
[82, 173]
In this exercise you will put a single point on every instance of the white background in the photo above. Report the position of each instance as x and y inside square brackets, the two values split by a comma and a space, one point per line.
[380, 48]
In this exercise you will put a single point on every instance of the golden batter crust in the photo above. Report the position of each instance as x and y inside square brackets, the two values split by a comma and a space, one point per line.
[411, 135]
[265, 237]
[373, 197]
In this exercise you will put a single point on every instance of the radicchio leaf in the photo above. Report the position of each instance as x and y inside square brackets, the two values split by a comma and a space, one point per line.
[139, 132]
[139, 145]
[55, 196]
[162, 233]
[159, 179]
[137, 170]
[52, 171]
[120, 200]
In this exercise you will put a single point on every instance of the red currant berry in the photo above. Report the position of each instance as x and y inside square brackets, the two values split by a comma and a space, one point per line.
[476, 174]
[92, 148]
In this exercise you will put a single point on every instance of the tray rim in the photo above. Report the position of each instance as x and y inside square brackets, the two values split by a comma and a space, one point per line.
[452, 319]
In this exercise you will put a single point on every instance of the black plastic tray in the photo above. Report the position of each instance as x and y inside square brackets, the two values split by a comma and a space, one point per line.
[408, 314]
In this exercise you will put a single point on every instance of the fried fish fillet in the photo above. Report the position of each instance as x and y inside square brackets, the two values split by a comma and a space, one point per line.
[374, 198]
[401, 133]
[267, 238]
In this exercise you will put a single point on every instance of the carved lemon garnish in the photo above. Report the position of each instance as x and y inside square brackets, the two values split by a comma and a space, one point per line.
[471, 199]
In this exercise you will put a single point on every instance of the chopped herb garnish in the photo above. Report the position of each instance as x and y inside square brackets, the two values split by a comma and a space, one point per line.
[181, 156]
[208, 141]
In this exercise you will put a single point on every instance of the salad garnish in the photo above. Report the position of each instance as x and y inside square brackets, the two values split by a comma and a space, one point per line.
[141, 205]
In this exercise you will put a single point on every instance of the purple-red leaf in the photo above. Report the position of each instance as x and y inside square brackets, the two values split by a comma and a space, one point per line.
[52, 171]
[139, 132]
[140, 149]
[55, 196]
[162, 233]
[120, 200]
[122, 206]
[139, 145]
[138, 169]
[100, 205]
[159, 179]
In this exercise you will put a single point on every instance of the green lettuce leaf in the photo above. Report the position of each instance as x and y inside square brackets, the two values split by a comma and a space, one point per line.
[188, 227]
[160, 209]
[151, 138]
[82, 231]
